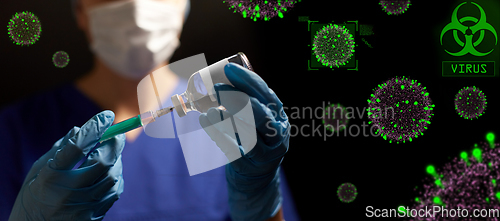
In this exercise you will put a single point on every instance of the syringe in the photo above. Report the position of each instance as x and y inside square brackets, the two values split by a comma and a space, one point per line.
[133, 123]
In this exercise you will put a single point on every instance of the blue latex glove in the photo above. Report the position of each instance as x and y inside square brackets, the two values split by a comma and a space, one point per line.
[253, 179]
[53, 191]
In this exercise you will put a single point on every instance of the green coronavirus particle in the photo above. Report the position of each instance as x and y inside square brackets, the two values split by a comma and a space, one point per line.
[335, 117]
[261, 9]
[395, 7]
[333, 45]
[347, 192]
[469, 182]
[470, 103]
[60, 59]
[401, 109]
[24, 28]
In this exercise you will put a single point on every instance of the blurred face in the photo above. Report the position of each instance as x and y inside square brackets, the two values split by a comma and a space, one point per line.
[83, 6]
[86, 4]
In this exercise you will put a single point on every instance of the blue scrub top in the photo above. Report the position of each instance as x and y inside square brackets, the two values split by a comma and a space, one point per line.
[157, 182]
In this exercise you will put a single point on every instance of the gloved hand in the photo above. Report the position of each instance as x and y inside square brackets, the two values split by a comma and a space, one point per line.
[253, 179]
[53, 191]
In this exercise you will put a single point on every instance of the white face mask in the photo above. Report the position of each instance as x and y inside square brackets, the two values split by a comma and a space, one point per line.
[134, 37]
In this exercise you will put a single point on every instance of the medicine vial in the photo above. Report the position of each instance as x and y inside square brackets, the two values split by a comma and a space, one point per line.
[199, 95]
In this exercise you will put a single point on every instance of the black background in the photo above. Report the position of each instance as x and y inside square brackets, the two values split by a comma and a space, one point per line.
[384, 174]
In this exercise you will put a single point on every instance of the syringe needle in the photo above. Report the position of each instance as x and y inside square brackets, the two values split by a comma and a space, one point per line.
[164, 111]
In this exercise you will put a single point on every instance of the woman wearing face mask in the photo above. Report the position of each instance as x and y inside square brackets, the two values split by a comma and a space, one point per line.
[43, 180]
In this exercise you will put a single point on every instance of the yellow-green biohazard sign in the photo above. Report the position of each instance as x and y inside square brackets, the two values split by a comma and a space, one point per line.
[457, 25]
[473, 47]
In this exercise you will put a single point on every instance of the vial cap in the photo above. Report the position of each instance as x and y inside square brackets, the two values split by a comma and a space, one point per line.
[179, 105]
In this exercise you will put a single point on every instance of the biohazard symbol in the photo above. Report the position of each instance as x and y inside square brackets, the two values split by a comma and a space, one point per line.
[468, 46]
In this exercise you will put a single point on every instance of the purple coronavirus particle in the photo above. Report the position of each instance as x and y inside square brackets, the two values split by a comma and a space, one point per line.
[335, 117]
[464, 189]
[470, 102]
[395, 7]
[60, 59]
[24, 28]
[347, 192]
[333, 45]
[400, 109]
[261, 9]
